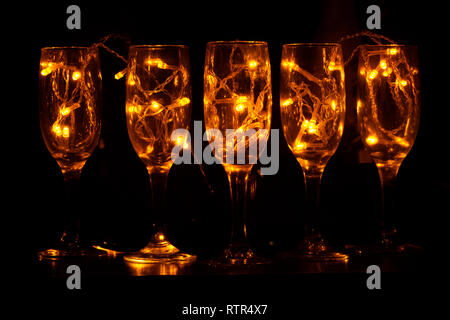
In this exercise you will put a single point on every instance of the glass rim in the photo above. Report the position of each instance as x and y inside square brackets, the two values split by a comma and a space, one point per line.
[388, 45]
[312, 44]
[67, 47]
[231, 42]
[158, 46]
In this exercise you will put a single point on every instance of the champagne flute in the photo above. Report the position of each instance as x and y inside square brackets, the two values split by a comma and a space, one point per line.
[237, 112]
[312, 103]
[158, 102]
[388, 109]
[70, 90]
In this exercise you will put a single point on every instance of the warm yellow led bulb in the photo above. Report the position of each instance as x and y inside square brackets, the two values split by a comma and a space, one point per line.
[332, 66]
[287, 102]
[76, 75]
[371, 140]
[64, 111]
[158, 63]
[240, 107]
[358, 105]
[57, 130]
[373, 74]
[184, 101]
[182, 140]
[253, 64]
[288, 64]
[46, 71]
[333, 105]
[155, 106]
[65, 132]
[392, 51]
[383, 64]
[240, 103]
[119, 75]
[300, 146]
[310, 126]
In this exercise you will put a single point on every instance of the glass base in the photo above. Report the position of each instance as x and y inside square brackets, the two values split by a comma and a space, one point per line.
[238, 255]
[159, 250]
[72, 251]
[317, 250]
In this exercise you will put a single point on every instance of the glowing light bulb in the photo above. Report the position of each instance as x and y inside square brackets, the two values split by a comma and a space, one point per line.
[136, 109]
[184, 101]
[358, 105]
[64, 111]
[392, 51]
[310, 126]
[287, 102]
[76, 75]
[46, 71]
[155, 106]
[239, 107]
[403, 83]
[333, 105]
[402, 142]
[65, 132]
[240, 103]
[253, 64]
[362, 71]
[149, 149]
[371, 140]
[288, 64]
[131, 81]
[383, 64]
[182, 140]
[332, 66]
[179, 140]
[119, 75]
[158, 63]
[161, 237]
[300, 146]
[57, 130]
[373, 74]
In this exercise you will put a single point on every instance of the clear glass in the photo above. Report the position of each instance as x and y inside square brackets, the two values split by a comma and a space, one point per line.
[70, 87]
[388, 109]
[237, 104]
[312, 104]
[158, 102]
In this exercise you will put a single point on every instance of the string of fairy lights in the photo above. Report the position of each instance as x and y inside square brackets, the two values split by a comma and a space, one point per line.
[318, 115]
[393, 67]
[71, 88]
[249, 111]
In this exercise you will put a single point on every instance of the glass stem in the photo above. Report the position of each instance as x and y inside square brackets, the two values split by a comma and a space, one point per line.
[71, 235]
[158, 184]
[388, 178]
[238, 180]
[312, 196]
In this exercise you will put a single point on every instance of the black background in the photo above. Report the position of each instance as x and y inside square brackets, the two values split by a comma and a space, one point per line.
[117, 197]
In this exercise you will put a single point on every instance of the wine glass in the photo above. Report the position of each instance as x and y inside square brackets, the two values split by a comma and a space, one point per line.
[312, 104]
[388, 109]
[70, 87]
[237, 112]
[158, 102]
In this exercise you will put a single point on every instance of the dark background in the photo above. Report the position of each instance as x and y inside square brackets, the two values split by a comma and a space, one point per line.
[117, 195]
